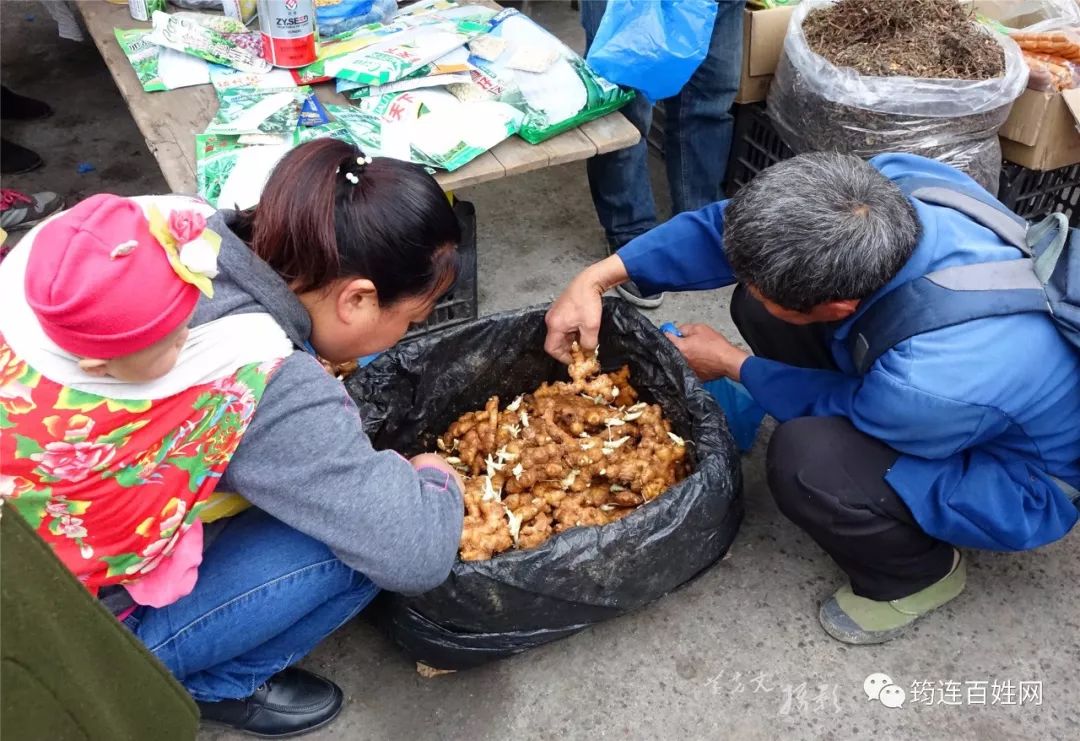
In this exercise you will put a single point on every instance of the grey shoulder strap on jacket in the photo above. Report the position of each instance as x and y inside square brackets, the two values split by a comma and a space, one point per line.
[954, 295]
[976, 205]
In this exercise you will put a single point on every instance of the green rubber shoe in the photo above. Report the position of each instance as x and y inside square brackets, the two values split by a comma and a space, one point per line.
[858, 620]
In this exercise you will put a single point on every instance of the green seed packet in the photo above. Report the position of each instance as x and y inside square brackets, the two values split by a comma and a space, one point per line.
[249, 110]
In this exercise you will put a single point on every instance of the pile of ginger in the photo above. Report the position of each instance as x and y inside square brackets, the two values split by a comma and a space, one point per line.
[570, 454]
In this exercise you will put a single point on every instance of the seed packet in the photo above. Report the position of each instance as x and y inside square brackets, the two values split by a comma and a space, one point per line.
[485, 84]
[535, 59]
[191, 38]
[229, 174]
[452, 138]
[224, 78]
[487, 47]
[244, 110]
[347, 43]
[565, 95]
[410, 83]
[380, 126]
[219, 23]
[312, 113]
[424, 7]
[332, 130]
[380, 65]
[158, 68]
[215, 158]
[435, 74]
[429, 127]
[365, 130]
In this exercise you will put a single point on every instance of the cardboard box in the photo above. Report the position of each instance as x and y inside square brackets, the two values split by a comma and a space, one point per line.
[763, 40]
[1041, 131]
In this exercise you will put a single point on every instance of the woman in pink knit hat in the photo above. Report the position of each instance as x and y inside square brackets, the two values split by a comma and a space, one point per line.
[155, 353]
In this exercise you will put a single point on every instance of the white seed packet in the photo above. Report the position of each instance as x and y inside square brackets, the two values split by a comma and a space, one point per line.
[535, 59]
[489, 48]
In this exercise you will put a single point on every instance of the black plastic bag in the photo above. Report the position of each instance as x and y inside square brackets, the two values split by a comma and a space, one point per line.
[520, 599]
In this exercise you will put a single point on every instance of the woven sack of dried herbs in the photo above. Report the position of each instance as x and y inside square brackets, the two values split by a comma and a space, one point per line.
[918, 76]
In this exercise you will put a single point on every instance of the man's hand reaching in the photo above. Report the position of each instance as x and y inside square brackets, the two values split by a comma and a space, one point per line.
[575, 315]
[709, 353]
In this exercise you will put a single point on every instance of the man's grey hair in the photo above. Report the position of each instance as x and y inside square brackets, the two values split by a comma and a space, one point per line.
[819, 227]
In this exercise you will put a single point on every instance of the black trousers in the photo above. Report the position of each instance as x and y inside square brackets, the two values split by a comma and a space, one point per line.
[829, 478]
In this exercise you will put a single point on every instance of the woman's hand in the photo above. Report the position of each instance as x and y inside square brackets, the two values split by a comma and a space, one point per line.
[709, 353]
[575, 315]
[431, 460]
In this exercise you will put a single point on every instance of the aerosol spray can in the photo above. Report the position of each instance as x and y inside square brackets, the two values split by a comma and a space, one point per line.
[142, 10]
[288, 32]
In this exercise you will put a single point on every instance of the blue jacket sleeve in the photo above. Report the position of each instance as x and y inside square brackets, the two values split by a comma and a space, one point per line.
[683, 254]
[908, 419]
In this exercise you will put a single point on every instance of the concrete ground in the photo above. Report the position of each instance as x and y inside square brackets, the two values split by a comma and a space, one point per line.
[736, 654]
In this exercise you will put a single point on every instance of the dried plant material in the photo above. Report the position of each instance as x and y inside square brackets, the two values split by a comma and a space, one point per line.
[915, 38]
[922, 77]
[567, 471]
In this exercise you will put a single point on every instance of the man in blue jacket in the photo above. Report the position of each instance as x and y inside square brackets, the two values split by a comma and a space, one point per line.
[967, 436]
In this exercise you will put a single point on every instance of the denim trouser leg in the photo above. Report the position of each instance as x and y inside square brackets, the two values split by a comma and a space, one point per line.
[619, 181]
[267, 595]
[698, 128]
[698, 123]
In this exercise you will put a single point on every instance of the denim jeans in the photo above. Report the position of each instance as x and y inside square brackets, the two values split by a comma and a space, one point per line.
[697, 135]
[266, 596]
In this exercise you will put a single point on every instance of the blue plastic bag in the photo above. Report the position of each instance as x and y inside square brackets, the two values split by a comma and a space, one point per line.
[653, 46]
[345, 15]
[743, 413]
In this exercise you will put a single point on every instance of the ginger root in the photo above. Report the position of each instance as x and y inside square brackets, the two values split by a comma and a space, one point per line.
[571, 454]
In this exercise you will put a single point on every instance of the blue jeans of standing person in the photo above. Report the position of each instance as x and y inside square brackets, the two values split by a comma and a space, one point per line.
[697, 135]
[266, 596]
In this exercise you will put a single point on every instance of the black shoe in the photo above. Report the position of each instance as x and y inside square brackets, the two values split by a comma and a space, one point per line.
[15, 107]
[15, 159]
[630, 291]
[290, 703]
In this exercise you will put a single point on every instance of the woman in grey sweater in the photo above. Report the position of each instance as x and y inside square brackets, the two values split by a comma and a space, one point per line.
[343, 253]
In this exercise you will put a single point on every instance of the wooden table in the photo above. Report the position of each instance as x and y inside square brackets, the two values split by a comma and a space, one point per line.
[170, 120]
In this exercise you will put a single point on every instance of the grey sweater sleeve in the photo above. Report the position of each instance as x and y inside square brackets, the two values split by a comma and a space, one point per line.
[306, 460]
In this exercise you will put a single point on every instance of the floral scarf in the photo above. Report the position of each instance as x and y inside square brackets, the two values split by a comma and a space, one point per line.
[113, 484]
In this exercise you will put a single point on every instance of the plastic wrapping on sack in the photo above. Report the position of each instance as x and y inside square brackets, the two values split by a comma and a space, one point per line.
[653, 47]
[817, 106]
[1031, 15]
[522, 599]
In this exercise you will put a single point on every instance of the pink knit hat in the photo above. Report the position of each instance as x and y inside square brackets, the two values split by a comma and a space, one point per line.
[101, 284]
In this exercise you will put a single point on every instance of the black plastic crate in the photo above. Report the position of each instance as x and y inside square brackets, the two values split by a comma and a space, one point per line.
[460, 305]
[755, 145]
[1033, 194]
